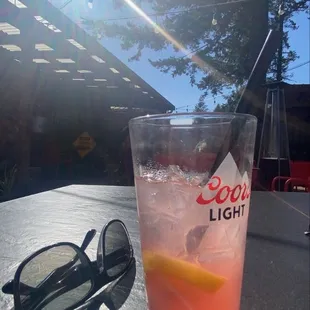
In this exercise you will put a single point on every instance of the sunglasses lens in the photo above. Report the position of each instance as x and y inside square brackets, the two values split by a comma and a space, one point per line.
[117, 247]
[55, 279]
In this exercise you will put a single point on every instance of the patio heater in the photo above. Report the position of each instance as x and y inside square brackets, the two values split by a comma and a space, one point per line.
[250, 101]
[274, 156]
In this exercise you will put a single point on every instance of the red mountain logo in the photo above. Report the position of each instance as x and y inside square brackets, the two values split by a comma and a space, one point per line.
[227, 185]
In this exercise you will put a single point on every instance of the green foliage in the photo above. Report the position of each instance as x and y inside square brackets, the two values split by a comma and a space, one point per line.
[226, 51]
[7, 183]
[231, 102]
[201, 106]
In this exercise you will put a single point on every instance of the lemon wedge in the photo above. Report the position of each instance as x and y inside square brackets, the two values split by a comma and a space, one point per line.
[182, 270]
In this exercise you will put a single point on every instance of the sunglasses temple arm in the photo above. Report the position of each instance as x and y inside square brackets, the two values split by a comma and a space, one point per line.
[87, 239]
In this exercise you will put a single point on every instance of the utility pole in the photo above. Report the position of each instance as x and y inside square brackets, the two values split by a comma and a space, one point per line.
[260, 10]
[263, 13]
[281, 14]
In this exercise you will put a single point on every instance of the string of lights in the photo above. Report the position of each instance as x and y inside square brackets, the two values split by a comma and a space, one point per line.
[214, 19]
[195, 51]
[299, 65]
[281, 12]
[65, 4]
[186, 107]
[177, 11]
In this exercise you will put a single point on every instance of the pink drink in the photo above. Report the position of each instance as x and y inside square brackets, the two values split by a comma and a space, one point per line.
[169, 214]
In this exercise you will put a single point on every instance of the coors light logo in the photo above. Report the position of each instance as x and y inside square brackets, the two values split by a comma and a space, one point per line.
[227, 193]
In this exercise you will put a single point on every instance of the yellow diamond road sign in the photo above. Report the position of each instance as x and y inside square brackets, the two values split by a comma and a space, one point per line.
[84, 144]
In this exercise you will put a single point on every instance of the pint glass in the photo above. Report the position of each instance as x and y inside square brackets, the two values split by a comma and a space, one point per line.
[193, 186]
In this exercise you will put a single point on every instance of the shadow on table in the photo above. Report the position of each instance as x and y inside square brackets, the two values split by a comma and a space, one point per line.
[277, 240]
[115, 294]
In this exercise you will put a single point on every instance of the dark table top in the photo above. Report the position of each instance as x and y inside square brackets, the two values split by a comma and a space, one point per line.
[277, 257]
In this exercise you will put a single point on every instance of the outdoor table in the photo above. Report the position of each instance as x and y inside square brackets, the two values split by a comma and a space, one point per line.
[277, 257]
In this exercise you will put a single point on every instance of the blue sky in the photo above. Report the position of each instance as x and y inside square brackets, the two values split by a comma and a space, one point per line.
[178, 90]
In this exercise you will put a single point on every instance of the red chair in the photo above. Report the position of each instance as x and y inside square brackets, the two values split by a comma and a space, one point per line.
[300, 174]
[295, 182]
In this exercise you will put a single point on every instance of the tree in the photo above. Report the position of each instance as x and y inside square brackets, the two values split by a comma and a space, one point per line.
[201, 106]
[225, 38]
[231, 103]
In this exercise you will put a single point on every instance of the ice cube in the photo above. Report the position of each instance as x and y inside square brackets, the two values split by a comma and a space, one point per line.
[175, 174]
[196, 179]
[216, 255]
[215, 245]
[236, 236]
[233, 234]
[163, 232]
[201, 146]
[179, 199]
[194, 237]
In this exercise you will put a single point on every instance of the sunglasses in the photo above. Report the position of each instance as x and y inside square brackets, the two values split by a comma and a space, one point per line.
[61, 276]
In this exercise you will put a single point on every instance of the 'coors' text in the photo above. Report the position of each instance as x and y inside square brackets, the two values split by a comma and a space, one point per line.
[229, 198]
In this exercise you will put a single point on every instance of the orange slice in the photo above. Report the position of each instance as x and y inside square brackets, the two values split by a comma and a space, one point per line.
[182, 270]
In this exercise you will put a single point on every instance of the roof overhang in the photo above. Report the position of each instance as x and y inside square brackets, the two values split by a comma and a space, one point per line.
[37, 37]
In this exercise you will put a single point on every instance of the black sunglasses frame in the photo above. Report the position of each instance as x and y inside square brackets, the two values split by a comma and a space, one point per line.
[98, 277]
